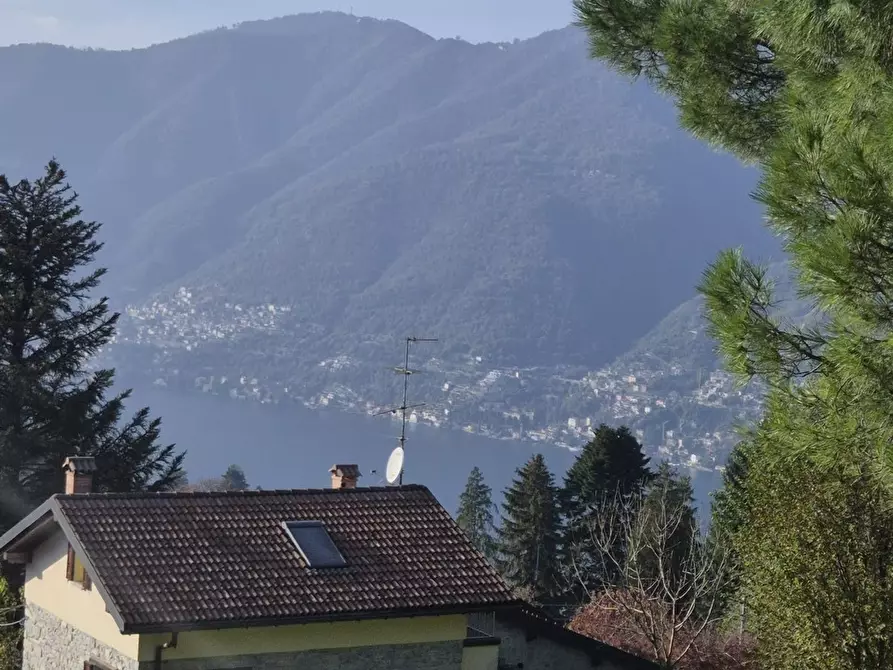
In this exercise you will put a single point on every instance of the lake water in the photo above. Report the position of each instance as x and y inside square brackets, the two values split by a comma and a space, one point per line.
[294, 447]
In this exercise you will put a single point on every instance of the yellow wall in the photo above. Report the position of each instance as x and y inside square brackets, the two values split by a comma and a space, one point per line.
[340, 634]
[47, 587]
[485, 657]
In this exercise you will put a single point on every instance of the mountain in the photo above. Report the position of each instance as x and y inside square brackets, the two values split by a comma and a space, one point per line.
[516, 200]
[284, 201]
[680, 340]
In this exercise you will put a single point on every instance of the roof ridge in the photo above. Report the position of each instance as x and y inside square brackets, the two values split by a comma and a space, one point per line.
[160, 560]
[246, 493]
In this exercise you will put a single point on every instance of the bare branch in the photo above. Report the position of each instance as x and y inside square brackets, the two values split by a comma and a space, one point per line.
[667, 579]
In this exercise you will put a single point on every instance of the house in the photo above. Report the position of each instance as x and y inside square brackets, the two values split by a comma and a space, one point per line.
[530, 639]
[345, 577]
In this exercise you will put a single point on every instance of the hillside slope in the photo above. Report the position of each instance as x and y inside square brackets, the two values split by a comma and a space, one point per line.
[518, 201]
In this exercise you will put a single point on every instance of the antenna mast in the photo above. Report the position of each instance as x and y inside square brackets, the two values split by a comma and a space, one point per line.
[406, 371]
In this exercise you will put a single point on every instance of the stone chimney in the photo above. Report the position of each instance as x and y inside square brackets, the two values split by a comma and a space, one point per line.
[79, 474]
[345, 476]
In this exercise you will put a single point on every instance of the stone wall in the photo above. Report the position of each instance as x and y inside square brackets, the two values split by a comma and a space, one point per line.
[52, 644]
[430, 656]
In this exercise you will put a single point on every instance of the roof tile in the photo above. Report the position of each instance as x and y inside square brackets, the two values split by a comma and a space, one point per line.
[183, 559]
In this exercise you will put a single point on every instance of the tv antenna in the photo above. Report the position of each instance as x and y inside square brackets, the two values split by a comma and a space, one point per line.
[395, 462]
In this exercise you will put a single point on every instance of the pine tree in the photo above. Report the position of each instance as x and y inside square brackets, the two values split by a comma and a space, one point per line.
[528, 536]
[611, 465]
[475, 514]
[51, 327]
[806, 91]
[808, 94]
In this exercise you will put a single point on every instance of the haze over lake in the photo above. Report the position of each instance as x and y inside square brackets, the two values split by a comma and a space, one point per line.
[294, 447]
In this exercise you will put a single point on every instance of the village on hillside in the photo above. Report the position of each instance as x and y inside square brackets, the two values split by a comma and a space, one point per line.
[688, 417]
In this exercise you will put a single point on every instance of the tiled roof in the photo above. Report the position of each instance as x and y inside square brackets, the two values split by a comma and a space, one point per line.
[536, 620]
[179, 560]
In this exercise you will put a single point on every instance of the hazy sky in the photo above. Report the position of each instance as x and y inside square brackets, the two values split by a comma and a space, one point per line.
[118, 24]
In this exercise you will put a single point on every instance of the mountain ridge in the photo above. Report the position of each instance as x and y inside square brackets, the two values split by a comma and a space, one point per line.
[518, 200]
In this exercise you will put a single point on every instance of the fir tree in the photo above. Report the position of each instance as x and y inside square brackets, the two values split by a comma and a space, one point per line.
[528, 537]
[611, 465]
[51, 326]
[475, 514]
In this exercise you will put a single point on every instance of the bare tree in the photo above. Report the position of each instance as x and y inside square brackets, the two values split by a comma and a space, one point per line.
[667, 581]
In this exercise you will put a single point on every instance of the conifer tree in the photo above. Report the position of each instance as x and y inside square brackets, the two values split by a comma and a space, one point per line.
[805, 91]
[611, 465]
[528, 536]
[475, 514]
[234, 479]
[51, 327]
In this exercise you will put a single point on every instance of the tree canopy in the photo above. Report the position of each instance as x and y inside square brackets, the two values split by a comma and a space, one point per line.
[528, 536]
[611, 464]
[803, 90]
[475, 514]
[52, 405]
[814, 551]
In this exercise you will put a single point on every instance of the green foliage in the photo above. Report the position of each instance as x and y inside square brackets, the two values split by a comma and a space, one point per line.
[805, 92]
[815, 550]
[475, 514]
[612, 464]
[707, 54]
[11, 615]
[728, 518]
[51, 406]
[234, 479]
[528, 536]
[804, 89]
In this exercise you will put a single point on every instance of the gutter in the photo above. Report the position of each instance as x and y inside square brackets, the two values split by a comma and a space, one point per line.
[407, 612]
[161, 648]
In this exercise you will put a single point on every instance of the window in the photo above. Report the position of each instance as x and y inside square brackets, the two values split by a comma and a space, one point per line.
[314, 544]
[95, 665]
[75, 571]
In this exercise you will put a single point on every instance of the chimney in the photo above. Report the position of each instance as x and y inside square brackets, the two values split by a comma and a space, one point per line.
[345, 476]
[79, 474]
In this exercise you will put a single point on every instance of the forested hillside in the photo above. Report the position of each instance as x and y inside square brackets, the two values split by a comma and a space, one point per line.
[515, 200]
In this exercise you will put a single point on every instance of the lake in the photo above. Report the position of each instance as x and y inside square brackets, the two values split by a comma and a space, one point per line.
[291, 446]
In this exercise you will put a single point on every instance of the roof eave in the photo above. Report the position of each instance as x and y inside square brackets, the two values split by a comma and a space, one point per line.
[404, 613]
[95, 577]
[27, 533]
[24, 529]
[536, 619]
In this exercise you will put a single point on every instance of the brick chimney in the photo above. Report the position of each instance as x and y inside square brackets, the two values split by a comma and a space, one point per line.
[79, 474]
[345, 476]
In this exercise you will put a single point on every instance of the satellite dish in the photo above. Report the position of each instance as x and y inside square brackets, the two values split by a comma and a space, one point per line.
[395, 466]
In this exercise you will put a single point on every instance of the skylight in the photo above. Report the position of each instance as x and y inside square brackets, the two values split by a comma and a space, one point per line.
[315, 544]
